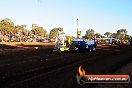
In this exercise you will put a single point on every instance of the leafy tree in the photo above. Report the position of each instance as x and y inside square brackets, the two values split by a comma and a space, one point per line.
[127, 37]
[17, 28]
[121, 34]
[98, 35]
[20, 28]
[89, 34]
[108, 34]
[56, 31]
[6, 25]
[123, 31]
[1, 29]
[38, 30]
[113, 35]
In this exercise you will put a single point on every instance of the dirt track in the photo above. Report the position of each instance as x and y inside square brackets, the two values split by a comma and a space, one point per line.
[38, 68]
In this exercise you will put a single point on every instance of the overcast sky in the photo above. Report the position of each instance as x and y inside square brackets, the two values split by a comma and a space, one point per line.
[100, 15]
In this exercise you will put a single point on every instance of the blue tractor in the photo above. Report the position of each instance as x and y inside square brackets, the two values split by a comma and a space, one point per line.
[83, 45]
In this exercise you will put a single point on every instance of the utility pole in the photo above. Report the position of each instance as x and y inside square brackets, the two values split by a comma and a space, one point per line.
[77, 29]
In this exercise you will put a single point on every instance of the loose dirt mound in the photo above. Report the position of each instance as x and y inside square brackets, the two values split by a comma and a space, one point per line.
[24, 44]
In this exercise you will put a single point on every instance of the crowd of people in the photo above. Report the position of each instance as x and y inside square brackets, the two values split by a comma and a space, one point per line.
[21, 37]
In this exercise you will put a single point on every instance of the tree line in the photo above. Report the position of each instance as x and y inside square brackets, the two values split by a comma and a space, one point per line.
[7, 26]
[11, 32]
[120, 34]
